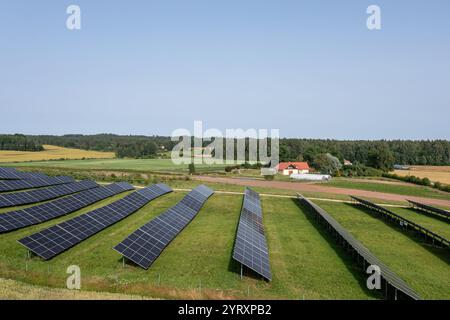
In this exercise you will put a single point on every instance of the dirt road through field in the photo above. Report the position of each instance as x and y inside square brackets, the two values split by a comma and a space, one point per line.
[303, 187]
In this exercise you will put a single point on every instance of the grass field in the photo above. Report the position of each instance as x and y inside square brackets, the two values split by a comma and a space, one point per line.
[198, 263]
[162, 165]
[424, 268]
[436, 225]
[409, 190]
[434, 173]
[15, 290]
[52, 153]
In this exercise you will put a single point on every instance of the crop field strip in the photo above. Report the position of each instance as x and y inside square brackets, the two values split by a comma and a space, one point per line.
[420, 207]
[54, 240]
[44, 212]
[145, 245]
[392, 286]
[16, 185]
[49, 193]
[406, 224]
[250, 247]
[13, 174]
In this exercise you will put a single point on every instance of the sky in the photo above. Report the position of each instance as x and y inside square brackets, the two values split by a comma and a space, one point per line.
[311, 69]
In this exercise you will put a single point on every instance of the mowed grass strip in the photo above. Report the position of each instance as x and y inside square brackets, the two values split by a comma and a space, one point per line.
[198, 263]
[423, 267]
[435, 225]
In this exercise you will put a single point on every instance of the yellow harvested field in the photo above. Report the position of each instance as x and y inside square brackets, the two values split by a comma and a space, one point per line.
[52, 153]
[434, 173]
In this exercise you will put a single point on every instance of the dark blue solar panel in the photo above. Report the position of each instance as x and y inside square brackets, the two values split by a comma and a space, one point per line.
[54, 240]
[15, 185]
[250, 248]
[11, 173]
[38, 195]
[145, 245]
[26, 217]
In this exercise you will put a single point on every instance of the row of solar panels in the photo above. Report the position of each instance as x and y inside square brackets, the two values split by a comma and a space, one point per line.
[13, 174]
[18, 219]
[54, 240]
[144, 245]
[430, 209]
[405, 223]
[15, 185]
[250, 248]
[401, 289]
[39, 195]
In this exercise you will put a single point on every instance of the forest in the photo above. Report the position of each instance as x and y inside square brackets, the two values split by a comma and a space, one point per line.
[381, 154]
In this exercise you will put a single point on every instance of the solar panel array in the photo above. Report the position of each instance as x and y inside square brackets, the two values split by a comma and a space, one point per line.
[145, 245]
[59, 238]
[37, 214]
[11, 173]
[430, 209]
[250, 248]
[391, 280]
[430, 236]
[38, 195]
[15, 185]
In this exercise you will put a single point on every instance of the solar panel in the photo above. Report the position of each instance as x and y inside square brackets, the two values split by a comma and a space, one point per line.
[59, 238]
[250, 248]
[404, 223]
[145, 245]
[15, 185]
[11, 173]
[343, 237]
[30, 216]
[38, 195]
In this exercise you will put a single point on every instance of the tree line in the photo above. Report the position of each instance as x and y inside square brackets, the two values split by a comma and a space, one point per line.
[380, 154]
[19, 142]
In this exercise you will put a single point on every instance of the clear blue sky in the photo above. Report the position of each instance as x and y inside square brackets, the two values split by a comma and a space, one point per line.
[309, 68]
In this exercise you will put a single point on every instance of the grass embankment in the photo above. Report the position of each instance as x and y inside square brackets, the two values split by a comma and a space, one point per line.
[423, 267]
[198, 263]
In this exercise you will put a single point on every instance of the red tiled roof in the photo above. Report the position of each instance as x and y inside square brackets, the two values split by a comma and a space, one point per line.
[294, 165]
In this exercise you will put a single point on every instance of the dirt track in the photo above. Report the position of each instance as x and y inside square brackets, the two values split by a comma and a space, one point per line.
[303, 187]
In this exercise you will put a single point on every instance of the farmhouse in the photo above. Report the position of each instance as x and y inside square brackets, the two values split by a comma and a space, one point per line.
[288, 168]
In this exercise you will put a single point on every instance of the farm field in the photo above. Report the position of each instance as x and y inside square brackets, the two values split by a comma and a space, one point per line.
[434, 173]
[198, 263]
[51, 153]
[164, 165]
[424, 268]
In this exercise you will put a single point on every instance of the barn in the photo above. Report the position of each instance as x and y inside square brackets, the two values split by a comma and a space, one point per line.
[288, 168]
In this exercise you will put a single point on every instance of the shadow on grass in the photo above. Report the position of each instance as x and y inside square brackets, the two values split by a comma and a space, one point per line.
[357, 272]
[441, 253]
[424, 213]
